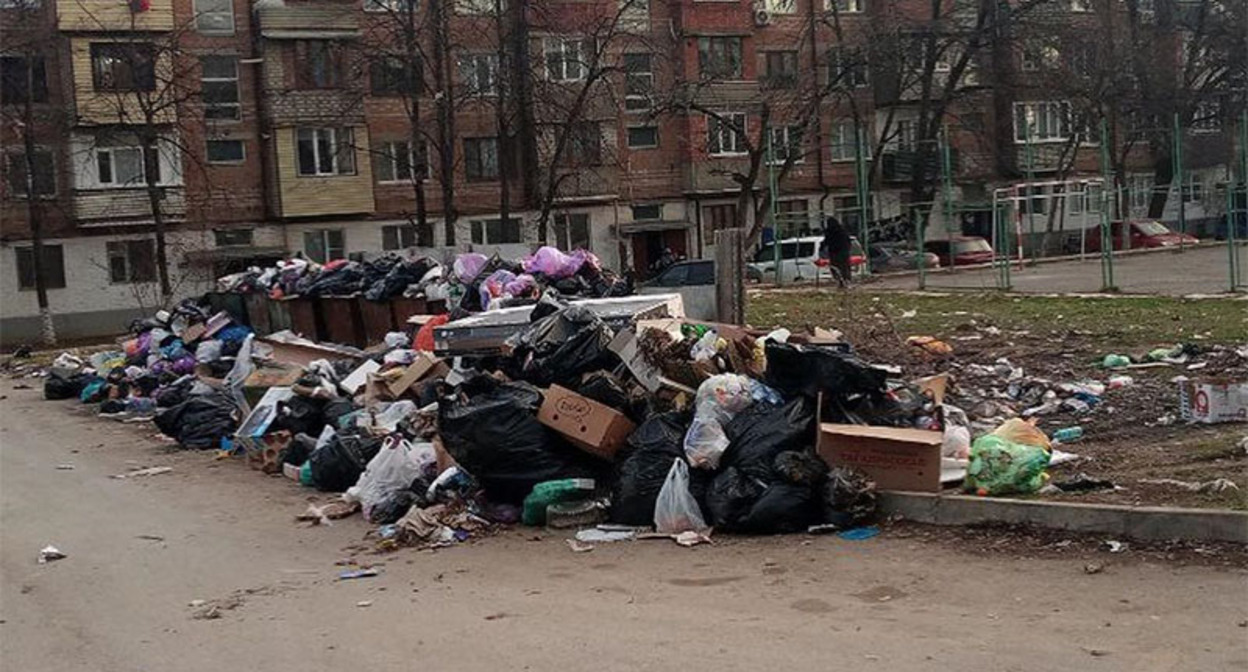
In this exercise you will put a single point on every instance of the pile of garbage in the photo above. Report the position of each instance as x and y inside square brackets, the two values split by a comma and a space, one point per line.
[471, 281]
[667, 423]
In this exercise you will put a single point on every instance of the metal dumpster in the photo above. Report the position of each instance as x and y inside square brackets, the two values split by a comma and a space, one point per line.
[304, 317]
[258, 313]
[341, 317]
[377, 318]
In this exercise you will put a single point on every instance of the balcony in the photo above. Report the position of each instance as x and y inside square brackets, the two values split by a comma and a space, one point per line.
[901, 166]
[100, 16]
[315, 20]
[101, 207]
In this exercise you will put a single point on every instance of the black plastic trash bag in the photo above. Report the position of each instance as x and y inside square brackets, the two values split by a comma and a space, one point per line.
[604, 388]
[200, 421]
[298, 450]
[337, 465]
[559, 348]
[800, 468]
[299, 415]
[495, 435]
[730, 497]
[762, 431]
[809, 369]
[848, 497]
[65, 386]
[782, 508]
[642, 466]
[392, 508]
[549, 304]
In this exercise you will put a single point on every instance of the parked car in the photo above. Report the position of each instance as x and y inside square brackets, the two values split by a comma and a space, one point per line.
[960, 250]
[800, 260]
[892, 258]
[1142, 234]
[694, 280]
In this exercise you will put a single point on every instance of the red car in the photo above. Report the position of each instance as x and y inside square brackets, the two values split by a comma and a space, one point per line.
[1143, 234]
[960, 250]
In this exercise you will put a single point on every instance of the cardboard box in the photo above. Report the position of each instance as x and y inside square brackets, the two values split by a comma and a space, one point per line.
[425, 366]
[596, 428]
[895, 458]
[1213, 402]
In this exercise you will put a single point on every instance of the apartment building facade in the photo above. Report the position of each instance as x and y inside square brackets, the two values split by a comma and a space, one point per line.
[337, 128]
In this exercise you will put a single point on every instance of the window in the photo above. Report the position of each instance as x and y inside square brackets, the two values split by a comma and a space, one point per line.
[584, 144]
[1037, 203]
[1042, 121]
[780, 68]
[1075, 200]
[1205, 117]
[479, 7]
[397, 162]
[53, 267]
[318, 64]
[726, 134]
[13, 80]
[391, 5]
[1194, 191]
[786, 143]
[720, 57]
[479, 74]
[226, 151]
[794, 216]
[495, 231]
[905, 138]
[481, 159]
[131, 261]
[567, 59]
[844, 138]
[645, 213]
[121, 67]
[324, 245]
[634, 14]
[1082, 58]
[571, 232]
[643, 137]
[722, 216]
[214, 17]
[234, 237]
[1039, 54]
[391, 76]
[122, 166]
[781, 6]
[847, 68]
[45, 174]
[219, 82]
[1141, 187]
[638, 82]
[846, 6]
[398, 237]
[1095, 194]
[1080, 6]
[325, 151]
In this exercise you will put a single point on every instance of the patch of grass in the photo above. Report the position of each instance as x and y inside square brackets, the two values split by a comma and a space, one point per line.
[1124, 321]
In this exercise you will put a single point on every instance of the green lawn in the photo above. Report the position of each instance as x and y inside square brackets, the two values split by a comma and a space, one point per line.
[1126, 321]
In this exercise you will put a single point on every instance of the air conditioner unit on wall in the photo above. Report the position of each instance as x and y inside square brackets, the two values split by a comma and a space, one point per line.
[762, 17]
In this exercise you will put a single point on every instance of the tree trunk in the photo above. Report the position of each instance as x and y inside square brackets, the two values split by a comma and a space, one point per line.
[424, 235]
[155, 194]
[34, 209]
[443, 80]
[505, 158]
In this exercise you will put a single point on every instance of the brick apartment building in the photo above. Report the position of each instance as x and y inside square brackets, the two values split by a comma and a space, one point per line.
[621, 126]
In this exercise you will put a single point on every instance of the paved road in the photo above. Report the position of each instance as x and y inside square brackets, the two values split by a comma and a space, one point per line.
[523, 600]
[1195, 271]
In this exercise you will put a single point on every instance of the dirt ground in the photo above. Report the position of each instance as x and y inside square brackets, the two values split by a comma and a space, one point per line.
[142, 553]
[1134, 434]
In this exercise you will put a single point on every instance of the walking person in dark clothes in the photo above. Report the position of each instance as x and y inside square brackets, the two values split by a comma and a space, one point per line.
[836, 248]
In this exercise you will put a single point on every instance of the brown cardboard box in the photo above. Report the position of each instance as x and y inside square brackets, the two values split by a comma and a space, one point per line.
[425, 366]
[596, 428]
[895, 458]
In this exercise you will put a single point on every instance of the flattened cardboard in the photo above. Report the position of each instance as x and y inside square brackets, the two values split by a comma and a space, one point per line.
[625, 345]
[1212, 402]
[593, 427]
[425, 366]
[895, 458]
[935, 386]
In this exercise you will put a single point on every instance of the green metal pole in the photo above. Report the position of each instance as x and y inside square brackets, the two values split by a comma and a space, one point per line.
[1109, 195]
[1177, 159]
[920, 232]
[775, 208]
[863, 192]
[1031, 176]
[946, 176]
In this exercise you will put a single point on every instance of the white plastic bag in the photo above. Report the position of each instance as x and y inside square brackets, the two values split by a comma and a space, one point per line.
[705, 442]
[676, 510]
[394, 468]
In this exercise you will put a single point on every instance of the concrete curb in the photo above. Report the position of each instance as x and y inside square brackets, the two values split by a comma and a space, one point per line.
[1147, 523]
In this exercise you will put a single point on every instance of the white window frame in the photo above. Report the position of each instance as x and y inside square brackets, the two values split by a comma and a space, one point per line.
[401, 231]
[837, 144]
[634, 14]
[390, 6]
[1080, 6]
[386, 153]
[561, 231]
[237, 105]
[850, 75]
[1052, 118]
[781, 6]
[482, 143]
[483, 226]
[335, 141]
[628, 139]
[845, 6]
[571, 64]
[324, 235]
[785, 133]
[1141, 185]
[1205, 117]
[470, 71]
[10, 156]
[112, 152]
[200, 13]
[905, 135]
[121, 249]
[231, 162]
[726, 132]
[478, 7]
[631, 100]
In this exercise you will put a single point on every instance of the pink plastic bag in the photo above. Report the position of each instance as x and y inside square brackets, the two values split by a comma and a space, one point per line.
[468, 266]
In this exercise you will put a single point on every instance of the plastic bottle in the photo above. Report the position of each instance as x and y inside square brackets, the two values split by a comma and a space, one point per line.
[1068, 434]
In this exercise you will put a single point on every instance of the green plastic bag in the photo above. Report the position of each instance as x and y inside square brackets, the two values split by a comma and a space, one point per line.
[1001, 467]
[552, 492]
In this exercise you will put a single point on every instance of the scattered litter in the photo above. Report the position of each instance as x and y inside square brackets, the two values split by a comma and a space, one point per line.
[364, 603]
[596, 535]
[1217, 485]
[1093, 568]
[859, 533]
[150, 537]
[49, 553]
[64, 467]
[1115, 546]
[358, 573]
[150, 471]
[578, 547]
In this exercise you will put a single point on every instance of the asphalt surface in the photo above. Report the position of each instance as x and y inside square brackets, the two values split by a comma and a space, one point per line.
[141, 550]
[1203, 270]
